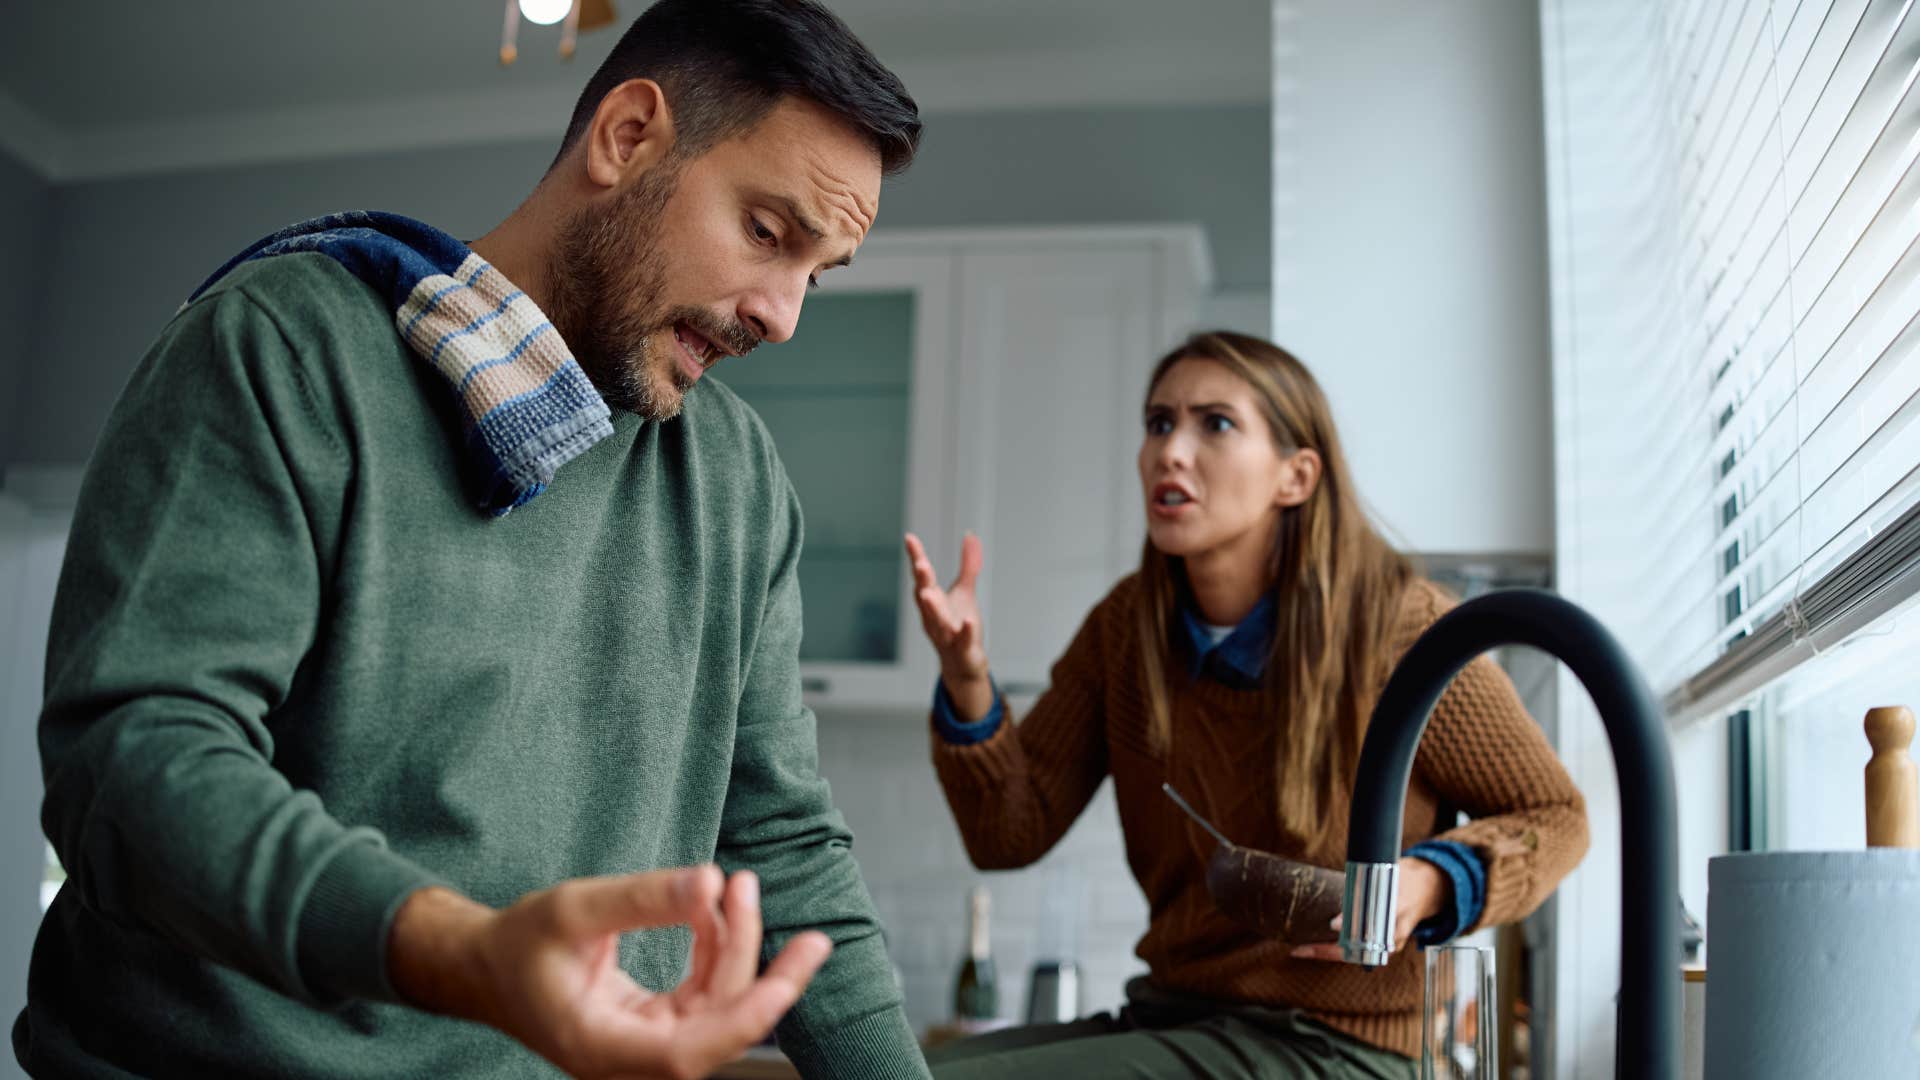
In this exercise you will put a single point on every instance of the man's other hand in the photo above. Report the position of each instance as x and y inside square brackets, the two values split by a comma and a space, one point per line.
[546, 970]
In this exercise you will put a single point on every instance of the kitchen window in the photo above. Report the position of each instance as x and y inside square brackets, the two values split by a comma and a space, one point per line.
[1809, 750]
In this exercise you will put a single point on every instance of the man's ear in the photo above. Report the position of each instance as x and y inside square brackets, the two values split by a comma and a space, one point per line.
[1299, 478]
[632, 131]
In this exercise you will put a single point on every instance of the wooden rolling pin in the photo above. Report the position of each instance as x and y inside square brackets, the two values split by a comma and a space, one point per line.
[1893, 781]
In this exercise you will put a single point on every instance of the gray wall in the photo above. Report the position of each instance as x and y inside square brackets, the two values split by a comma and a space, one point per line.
[1202, 164]
[125, 252]
[25, 230]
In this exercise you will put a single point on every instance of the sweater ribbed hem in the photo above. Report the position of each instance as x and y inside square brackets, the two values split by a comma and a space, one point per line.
[877, 1046]
[1397, 1032]
[342, 942]
[1511, 889]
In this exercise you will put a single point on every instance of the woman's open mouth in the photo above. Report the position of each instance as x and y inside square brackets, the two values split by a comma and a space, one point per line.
[1170, 501]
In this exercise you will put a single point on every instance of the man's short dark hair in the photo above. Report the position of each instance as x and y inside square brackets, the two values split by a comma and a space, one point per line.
[724, 65]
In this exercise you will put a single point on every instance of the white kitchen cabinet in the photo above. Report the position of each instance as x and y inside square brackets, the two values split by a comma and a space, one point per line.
[855, 403]
[1056, 345]
[970, 379]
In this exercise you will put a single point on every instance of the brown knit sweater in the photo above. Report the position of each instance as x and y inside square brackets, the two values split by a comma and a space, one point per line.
[1016, 793]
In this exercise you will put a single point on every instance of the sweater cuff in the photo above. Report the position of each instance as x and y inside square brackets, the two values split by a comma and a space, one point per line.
[1465, 900]
[342, 936]
[958, 732]
[876, 1046]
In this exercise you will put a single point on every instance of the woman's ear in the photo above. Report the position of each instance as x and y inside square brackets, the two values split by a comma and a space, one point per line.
[1299, 478]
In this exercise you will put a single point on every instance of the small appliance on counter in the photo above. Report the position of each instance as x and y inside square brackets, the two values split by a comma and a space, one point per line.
[1053, 992]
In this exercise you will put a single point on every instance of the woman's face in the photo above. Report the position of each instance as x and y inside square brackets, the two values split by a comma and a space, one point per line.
[1213, 480]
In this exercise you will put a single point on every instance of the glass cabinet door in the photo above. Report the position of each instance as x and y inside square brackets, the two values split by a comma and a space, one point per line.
[835, 399]
[853, 403]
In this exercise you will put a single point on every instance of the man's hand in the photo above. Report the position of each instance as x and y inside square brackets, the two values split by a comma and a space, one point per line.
[546, 970]
[1423, 894]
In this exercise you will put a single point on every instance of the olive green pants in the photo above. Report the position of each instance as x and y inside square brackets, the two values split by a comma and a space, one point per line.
[1160, 1036]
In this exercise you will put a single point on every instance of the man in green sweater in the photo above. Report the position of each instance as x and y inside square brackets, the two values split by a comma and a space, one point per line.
[355, 774]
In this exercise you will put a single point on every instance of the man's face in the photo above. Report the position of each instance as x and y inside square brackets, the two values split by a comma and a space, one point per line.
[696, 260]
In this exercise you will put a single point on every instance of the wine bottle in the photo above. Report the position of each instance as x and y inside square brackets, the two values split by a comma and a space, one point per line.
[976, 992]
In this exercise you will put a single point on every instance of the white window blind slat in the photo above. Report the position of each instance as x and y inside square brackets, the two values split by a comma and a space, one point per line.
[1757, 281]
[1874, 356]
[1796, 30]
[1901, 500]
[1851, 301]
[1876, 404]
[1729, 177]
[1725, 100]
[1851, 489]
[1830, 162]
[1704, 26]
[1802, 91]
[1751, 334]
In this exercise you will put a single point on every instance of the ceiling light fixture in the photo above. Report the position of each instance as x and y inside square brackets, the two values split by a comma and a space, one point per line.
[580, 15]
[545, 12]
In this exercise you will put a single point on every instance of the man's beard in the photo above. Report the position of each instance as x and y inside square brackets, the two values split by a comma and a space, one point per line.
[606, 276]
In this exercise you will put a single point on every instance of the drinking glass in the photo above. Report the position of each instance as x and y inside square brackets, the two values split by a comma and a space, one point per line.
[1457, 1033]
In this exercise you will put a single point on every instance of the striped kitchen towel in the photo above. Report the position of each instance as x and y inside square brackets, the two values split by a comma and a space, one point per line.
[526, 406]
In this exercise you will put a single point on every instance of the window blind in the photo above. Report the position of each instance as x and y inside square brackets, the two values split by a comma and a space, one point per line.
[1775, 460]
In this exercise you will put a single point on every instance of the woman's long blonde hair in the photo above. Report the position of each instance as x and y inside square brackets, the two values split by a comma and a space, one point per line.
[1336, 587]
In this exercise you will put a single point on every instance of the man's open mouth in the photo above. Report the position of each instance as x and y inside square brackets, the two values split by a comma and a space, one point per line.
[702, 349]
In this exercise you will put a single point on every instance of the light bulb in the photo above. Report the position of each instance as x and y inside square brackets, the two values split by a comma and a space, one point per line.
[545, 12]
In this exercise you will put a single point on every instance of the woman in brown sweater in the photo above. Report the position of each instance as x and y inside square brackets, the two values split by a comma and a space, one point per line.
[1240, 663]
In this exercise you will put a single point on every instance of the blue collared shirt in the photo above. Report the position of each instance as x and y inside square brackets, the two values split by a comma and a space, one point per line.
[1238, 660]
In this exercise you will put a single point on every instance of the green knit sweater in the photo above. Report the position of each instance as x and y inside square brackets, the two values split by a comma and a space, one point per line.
[294, 676]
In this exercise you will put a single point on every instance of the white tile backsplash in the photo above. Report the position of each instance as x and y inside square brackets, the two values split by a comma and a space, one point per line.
[1078, 903]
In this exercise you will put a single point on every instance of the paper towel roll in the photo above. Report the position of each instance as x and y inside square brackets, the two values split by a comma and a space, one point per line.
[1815, 964]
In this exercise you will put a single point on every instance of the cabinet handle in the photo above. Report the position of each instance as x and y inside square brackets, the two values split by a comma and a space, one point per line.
[815, 684]
[1023, 689]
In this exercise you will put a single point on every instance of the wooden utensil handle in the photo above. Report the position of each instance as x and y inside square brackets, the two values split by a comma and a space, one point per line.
[1893, 781]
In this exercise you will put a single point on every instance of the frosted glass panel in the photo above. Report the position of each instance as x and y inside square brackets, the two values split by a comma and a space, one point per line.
[836, 400]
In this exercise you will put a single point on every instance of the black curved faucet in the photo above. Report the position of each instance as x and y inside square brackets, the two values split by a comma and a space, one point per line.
[1648, 1038]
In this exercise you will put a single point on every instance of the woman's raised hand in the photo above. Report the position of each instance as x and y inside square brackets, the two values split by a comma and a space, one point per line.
[951, 619]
